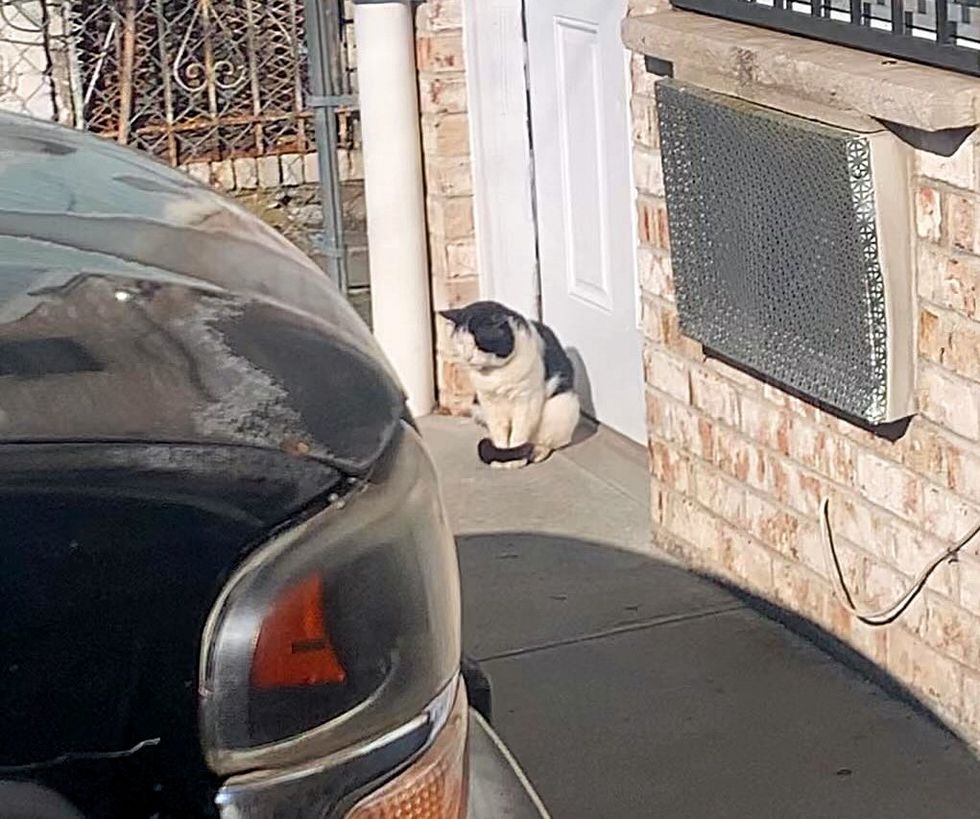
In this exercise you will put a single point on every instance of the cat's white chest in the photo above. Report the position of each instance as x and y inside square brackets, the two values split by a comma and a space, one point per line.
[522, 377]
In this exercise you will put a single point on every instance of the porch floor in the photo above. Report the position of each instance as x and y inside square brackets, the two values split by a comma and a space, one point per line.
[629, 687]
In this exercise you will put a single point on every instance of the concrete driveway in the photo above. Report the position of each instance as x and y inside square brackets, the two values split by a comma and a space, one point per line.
[628, 687]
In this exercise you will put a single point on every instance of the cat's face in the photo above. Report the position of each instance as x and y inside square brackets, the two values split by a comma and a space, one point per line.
[484, 334]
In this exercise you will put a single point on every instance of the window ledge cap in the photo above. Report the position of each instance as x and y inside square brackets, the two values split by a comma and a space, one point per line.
[761, 65]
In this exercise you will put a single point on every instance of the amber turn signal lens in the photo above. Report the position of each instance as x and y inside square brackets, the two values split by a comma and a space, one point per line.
[294, 647]
[435, 785]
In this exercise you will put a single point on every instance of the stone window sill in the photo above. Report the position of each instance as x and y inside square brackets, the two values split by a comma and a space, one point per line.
[832, 83]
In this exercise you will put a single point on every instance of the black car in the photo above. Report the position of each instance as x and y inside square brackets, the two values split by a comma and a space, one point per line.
[227, 583]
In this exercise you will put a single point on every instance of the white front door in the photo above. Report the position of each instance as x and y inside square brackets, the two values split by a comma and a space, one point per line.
[584, 191]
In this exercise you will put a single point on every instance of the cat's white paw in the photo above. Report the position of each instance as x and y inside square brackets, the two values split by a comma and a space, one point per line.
[508, 464]
[541, 453]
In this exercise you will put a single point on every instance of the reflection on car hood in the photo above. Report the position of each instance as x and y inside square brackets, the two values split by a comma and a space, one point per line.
[137, 305]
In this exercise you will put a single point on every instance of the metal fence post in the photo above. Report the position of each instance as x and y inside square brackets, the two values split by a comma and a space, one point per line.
[326, 95]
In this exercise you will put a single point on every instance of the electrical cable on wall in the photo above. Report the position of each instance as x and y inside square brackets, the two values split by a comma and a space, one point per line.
[894, 611]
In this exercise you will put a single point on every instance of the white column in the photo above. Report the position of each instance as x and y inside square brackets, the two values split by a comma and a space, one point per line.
[388, 97]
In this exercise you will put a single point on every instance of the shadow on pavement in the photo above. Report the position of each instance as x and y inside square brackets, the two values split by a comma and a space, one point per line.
[629, 687]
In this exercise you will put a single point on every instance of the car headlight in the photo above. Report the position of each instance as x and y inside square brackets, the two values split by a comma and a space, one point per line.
[338, 631]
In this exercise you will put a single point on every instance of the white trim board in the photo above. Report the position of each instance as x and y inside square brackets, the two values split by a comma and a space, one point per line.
[500, 145]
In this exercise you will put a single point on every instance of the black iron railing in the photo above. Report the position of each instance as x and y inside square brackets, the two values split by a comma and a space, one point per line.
[943, 33]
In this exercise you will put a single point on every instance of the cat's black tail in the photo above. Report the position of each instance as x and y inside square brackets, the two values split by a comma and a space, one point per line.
[489, 453]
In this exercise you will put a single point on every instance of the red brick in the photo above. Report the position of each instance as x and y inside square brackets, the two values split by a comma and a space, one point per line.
[882, 586]
[854, 567]
[651, 318]
[648, 171]
[651, 215]
[448, 293]
[442, 94]
[714, 396]
[853, 519]
[889, 485]
[739, 458]
[950, 281]
[774, 395]
[690, 522]
[449, 176]
[871, 642]
[949, 401]
[963, 353]
[455, 390]
[971, 701]
[930, 454]
[706, 432]
[952, 631]
[445, 15]
[655, 403]
[657, 501]
[773, 525]
[793, 486]
[904, 548]
[745, 559]
[928, 672]
[963, 475]
[661, 326]
[933, 335]
[450, 218]
[644, 119]
[801, 590]
[841, 458]
[910, 550]
[654, 272]
[669, 467]
[928, 213]
[957, 170]
[437, 53]
[945, 515]
[679, 425]
[969, 577]
[810, 445]
[461, 258]
[765, 424]
[743, 380]
[722, 496]
[445, 135]
[667, 373]
[962, 222]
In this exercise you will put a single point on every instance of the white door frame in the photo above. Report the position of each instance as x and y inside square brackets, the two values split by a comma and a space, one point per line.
[498, 98]
[500, 146]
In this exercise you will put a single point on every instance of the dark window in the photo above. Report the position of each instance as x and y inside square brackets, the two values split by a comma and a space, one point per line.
[35, 358]
[943, 33]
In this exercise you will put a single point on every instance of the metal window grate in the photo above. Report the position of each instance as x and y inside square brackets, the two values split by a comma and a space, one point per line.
[185, 80]
[942, 33]
[784, 235]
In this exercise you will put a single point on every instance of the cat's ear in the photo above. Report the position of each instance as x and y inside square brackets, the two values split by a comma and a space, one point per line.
[455, 316]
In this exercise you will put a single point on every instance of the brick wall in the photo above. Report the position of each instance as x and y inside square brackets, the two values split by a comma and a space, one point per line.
[738, 468]
[449, 194]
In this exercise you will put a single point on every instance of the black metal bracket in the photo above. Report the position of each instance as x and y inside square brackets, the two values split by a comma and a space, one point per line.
[658, 66]
[331, 101]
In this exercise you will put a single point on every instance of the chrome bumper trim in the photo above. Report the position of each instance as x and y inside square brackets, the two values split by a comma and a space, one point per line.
[498, 786]
[431, 721]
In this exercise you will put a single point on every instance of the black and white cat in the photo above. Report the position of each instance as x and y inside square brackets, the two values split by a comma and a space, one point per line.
[523, 380]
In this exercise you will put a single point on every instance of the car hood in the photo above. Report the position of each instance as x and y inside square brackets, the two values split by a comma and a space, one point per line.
[139, 306]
